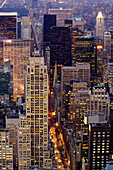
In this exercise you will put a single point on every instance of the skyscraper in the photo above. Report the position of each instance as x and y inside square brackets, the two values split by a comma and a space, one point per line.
[100, 25]
[100, 62]
[83, 102]
[68, 23]
[107, 43]
[12, 122]
[37, 110]
[79, 106]
[60, 52]
[24, 143]
[8, 26]
[5, 83]
[18, 52]
[99, 143]
[78, 23]
[111, 32]
[85, 54]
[49, 21]
[6, 150]
[1, 53]
[79, 73]
[75, 32]
[99, 101]
[25, 27]
[109, 75]
[61, 15]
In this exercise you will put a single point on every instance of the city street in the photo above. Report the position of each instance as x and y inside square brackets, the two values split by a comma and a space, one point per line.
[61, 156]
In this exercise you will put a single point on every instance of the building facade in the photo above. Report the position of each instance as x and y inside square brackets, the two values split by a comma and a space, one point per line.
[6, 150]
[79, 73]
[49, 21]
[78, 23]
[111, 32]
[85, 54]
[24, 143]
[99, 101]
[75, 32]
[60, 51]
[107, 43]
[12, 125]
[37, 111]
[61, 15]
[100, 62]
[8, 28]
[25, 27]
[99, 141]
[18, 52]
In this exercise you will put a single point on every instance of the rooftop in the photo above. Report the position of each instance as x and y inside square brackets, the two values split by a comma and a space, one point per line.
[75, 67]
[78, 19]
[101, 124]
[85, 37]
[60, 9]
[8, 13]
[109, 166]
[36, 168]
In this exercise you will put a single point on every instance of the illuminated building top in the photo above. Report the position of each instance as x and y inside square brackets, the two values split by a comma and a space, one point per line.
[99, 47]
[100, 15]
[100, 25]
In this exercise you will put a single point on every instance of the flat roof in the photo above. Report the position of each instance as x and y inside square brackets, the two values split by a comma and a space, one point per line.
[8, 13]
[84, 91]
[4, 130]
[82, 64]
[59, 9]
[16, 40]
[85, 36]
[75, 67]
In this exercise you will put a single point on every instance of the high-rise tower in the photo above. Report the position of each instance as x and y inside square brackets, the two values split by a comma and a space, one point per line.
[12, 124]
[100, 63]
[111, 32]
[6, 150]
[49, 21]
[60, 52]
[37, 110]
[18, 52]
[85, 54]
[25, 27]
[8, 25]
[75, 32]
[100, 25]
[61, 15]
[107, 43]
[99, 143]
